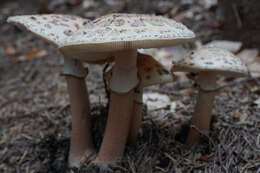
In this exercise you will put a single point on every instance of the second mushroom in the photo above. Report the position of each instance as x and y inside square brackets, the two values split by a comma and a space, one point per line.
[208, 63]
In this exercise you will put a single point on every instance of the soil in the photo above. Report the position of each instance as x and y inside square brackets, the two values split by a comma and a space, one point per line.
[35, 112]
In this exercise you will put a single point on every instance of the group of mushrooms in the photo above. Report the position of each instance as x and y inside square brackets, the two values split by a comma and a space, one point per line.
[115, 38]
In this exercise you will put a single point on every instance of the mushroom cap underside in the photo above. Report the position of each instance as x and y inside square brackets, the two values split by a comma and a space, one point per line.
[97, 40]
[216, 60]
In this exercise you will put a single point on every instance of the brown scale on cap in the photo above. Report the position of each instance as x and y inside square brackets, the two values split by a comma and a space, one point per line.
[150, 71]
[129, 31]
[51, 27]
[212, 59]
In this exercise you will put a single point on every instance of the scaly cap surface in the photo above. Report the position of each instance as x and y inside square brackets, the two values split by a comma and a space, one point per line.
[116, 32]
[54, 28]
[212, 59]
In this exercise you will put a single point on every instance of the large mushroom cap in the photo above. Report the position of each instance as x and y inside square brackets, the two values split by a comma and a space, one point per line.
[212, 59]
[51, 27]
[116, 32]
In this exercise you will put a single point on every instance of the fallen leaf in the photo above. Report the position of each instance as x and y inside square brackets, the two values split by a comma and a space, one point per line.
[33, 53]
[187, 14]
[157, 101]
[89, 4]
[257, 102]
[208, 3]
[236, 114]
[258, 142]
[252, 60]
[243, 117]
[187, 90]
[254, 69]
[115, 4]
[2, 166]
[9, 49]
[205, 158]
[181, 76]
[248, 55]
[177, 116]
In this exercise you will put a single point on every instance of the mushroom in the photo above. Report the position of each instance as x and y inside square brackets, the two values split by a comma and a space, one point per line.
[120, 35]
[208, 63]
[150, 72]
[55, 28]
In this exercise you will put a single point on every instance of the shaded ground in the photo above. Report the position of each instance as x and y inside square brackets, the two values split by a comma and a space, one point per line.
[243, 17]
[35, 116]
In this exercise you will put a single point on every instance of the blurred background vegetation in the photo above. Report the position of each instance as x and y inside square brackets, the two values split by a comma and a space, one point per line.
[232, 19]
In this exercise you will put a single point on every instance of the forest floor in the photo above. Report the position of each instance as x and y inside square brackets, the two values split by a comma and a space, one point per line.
[35, 112]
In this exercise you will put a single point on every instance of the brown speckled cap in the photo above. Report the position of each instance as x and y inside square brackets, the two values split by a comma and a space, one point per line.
[92, 40]
[117, 32]
[212, 59]
[51, 27]
[150, 71]
[54, 28]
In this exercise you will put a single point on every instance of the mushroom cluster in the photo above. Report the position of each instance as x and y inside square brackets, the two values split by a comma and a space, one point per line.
[113, 37]
[117, 37]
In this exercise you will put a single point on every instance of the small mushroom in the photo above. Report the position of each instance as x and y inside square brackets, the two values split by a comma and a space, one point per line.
[55, 28]
[120, 35]
[150, 72]
[208, 63]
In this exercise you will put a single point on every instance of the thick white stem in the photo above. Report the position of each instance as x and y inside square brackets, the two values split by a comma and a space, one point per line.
[136, 119]
[73, 67]
[121, 107]
[81, 143]
[207, 80]
[124, 76]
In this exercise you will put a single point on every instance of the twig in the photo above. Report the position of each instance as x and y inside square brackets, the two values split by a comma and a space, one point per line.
[238, 18]
[105, 83]
[23, 156]
[203, 134]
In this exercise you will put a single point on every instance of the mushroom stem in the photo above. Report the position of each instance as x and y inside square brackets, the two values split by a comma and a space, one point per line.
[136, 119]
[124, 79]
[81, 143]
[202, 115]
[117, 128]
